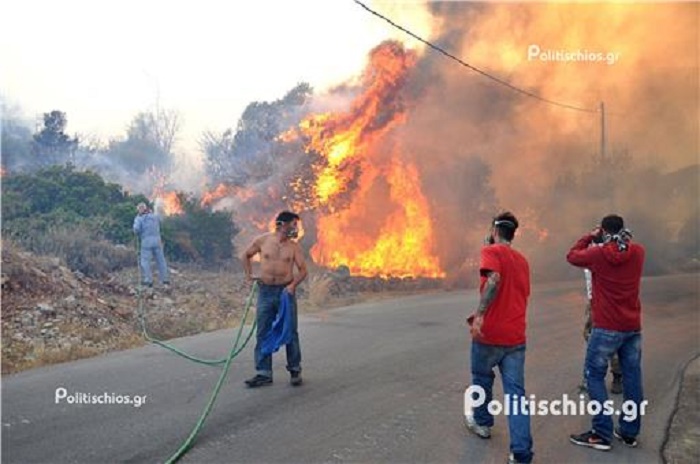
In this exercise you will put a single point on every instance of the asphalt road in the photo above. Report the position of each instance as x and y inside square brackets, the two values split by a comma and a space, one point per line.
[384, 382]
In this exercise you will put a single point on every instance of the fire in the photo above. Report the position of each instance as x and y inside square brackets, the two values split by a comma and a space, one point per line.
[170, 203]
[221, 191]
[401, 246]
[372, 215]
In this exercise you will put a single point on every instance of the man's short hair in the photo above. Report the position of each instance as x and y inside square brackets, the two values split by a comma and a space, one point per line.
[285, 217]
[506, 225]
[612, 224]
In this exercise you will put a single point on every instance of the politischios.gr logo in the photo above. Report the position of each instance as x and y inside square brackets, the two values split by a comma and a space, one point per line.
[76, 398]
[535, 52]
[475, 396]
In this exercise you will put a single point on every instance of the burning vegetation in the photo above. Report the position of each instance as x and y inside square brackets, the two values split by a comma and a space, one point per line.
[397, 173]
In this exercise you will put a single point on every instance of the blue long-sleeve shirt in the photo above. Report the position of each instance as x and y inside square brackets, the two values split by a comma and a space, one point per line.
[147, 227]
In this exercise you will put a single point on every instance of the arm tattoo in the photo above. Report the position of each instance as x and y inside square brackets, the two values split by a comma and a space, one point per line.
[490, 292]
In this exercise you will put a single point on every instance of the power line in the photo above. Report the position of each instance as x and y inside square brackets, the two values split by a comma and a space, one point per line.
[474, 68]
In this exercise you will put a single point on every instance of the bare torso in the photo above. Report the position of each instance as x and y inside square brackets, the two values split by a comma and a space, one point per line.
[276, 260]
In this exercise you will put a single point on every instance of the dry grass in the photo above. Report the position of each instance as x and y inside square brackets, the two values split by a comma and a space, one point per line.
[37, 353]
[319, 290]
[78, 248]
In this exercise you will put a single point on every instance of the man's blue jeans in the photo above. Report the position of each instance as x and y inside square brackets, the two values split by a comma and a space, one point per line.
[149, 249]
[511, 362]
[602, 345]
[267, 308]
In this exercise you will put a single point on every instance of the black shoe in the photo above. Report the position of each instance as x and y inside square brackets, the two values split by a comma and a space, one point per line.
[258, 381]
[616, 386]
[147, 284]
[591, 440]
[629, 441]
[295, 379]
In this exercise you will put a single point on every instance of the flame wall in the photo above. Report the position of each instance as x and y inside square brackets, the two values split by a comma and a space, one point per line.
[406, 166]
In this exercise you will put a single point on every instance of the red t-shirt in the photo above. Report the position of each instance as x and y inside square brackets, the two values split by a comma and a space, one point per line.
[616, 280]
[505, 321]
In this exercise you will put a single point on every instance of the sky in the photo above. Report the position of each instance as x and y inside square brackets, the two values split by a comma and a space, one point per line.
[103, 62]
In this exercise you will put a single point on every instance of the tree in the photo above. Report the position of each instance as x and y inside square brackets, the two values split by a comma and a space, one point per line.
[149, 141]
[51, 145]
[249, 154]
[16, 141]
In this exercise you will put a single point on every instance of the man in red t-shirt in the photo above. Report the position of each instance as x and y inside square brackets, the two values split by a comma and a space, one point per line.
[498, 331]
[616, 270]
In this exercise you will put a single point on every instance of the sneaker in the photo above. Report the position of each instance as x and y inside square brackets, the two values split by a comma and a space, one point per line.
[295, 378]
[591, 440]
[259, 381]
[616, 385]
[147, 284]
[629, 441]
[512, 460]
[481, 431]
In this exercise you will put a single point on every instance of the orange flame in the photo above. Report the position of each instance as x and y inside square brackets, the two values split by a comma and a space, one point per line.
[222, 191]
[402, 246]
[171, 204]
[372, 216]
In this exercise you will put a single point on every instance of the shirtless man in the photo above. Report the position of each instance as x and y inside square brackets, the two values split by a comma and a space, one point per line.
[279, 253]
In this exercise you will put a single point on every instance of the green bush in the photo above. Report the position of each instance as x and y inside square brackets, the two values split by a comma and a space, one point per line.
[79, 217]
[198, 235]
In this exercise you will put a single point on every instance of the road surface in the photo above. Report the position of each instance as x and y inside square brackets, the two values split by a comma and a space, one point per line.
[384, 382]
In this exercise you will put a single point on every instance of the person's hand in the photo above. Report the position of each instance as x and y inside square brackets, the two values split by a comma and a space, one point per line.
[476, 324]
[291, 288]
[253, 278]
[587, 327]
[597, 232]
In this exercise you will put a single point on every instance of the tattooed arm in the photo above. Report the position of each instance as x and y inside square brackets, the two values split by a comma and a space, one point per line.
[487, 296]
[489, 293]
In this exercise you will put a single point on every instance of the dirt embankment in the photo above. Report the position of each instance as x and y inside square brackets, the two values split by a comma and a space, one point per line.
[51, 314]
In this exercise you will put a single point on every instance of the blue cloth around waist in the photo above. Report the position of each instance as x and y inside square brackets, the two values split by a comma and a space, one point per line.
[282, 327]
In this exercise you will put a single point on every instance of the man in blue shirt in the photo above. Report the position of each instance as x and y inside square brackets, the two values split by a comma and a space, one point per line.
[147, 229]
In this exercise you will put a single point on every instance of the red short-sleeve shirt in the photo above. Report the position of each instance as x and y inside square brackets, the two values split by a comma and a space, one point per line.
[505, 319]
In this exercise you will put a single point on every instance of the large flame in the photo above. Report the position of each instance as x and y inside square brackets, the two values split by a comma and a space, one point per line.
[401, 247]
[170, 203]
[372, 214]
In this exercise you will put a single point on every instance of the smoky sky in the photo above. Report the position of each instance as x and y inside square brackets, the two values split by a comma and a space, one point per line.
[483, 148]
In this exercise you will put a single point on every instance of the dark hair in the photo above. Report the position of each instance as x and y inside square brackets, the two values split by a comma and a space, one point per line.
[506, 224]
[286, 217]
[612, 224]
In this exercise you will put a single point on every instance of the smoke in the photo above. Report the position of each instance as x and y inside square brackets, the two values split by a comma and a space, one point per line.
[477, 141]
[468, 147]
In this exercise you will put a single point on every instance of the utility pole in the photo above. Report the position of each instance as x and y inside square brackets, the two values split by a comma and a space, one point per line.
[605, 163]
[602, 132]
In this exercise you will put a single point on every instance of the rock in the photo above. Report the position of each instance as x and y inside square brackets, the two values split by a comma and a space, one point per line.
[46, 309]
